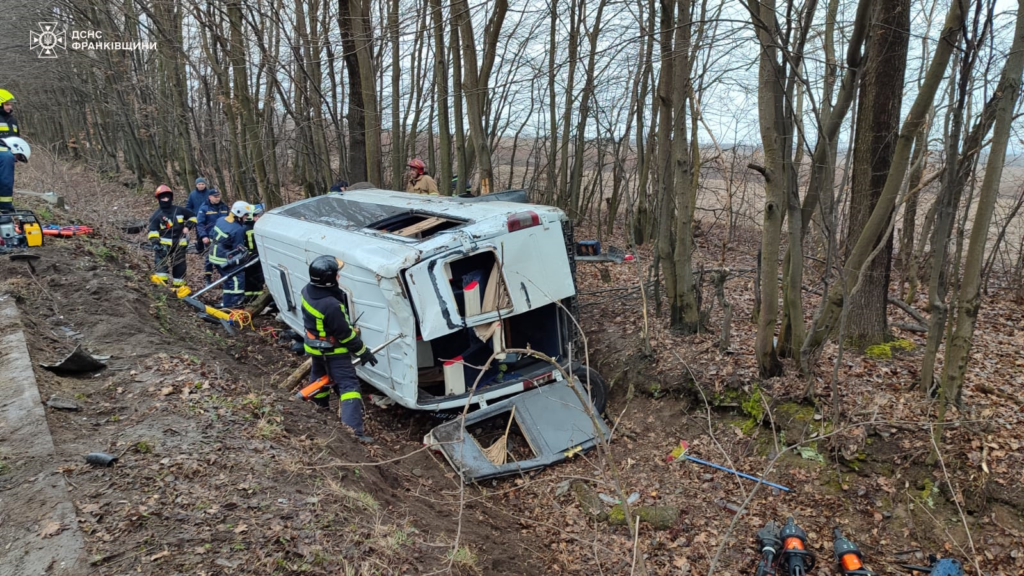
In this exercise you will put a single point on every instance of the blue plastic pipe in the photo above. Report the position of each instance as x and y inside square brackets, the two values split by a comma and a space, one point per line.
[740, 474]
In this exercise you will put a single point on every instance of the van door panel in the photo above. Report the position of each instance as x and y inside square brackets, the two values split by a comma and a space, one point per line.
[536, 270]
[536, 267]
[435, 306]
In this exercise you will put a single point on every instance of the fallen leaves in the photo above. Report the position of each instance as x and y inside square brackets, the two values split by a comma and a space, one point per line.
[51, 528]
[159, 555]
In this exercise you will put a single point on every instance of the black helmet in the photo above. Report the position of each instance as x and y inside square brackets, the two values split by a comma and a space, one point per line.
[323, 271]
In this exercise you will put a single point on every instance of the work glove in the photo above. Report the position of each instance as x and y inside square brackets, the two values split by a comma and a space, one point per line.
[367, 357]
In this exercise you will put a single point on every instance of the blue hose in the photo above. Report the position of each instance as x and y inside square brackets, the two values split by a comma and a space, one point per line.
[740, 474]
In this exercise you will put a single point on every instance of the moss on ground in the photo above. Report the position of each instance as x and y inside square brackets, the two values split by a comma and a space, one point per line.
[885, 351]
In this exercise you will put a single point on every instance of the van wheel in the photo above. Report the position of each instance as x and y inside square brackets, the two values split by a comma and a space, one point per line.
[598, 388]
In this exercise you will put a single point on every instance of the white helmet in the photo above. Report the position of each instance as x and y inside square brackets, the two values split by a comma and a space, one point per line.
[242, 209]
[18, 147]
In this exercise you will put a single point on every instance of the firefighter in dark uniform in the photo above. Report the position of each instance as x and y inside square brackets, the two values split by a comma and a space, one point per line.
[8, 123]
[211, 211]
[254, 281]
[12, 151]
[332, 342]
[229, 250]
[168, 233]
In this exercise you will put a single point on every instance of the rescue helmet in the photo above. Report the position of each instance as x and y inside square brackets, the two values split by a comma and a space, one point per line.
[6, 96]
[19, 148]
[418, 165]
[163, 189]
[323, 272]
[242, 209]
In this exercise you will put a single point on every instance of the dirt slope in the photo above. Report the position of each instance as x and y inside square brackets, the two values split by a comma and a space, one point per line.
[219, 470]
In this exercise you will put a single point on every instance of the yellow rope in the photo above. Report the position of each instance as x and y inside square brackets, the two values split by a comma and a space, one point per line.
[241, 317]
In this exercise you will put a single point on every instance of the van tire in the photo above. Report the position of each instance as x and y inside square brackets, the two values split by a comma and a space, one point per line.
[598, 387]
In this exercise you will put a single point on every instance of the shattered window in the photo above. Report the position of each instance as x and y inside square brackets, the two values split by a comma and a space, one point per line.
[337, 212]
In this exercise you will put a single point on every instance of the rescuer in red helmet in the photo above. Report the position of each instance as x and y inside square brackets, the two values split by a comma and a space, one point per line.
[417, 180]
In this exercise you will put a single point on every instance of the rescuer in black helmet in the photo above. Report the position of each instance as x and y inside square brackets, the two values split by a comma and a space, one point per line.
[332, 341]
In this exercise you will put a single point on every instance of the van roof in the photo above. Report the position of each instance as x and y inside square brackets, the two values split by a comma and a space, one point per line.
[371, 210]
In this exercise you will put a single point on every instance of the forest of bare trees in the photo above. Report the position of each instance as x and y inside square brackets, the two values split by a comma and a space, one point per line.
[873, 134]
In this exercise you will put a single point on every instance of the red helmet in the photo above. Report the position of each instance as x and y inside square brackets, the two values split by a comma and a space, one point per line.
[418, 165]
[163, 189]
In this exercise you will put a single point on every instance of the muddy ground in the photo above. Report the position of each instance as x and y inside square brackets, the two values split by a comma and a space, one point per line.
[220, 471]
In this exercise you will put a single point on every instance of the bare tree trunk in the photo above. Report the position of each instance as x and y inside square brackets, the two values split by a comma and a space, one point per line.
[905, 259]
[878, 117]
[357, 147]
[552, 170]
[475, 77]
[355, 18]
[397, 147]
[441, 82]
[460, 130]
[771, 102]
[684, 315]
[665, 170]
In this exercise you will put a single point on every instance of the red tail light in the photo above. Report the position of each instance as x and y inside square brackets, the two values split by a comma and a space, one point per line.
[523, 220]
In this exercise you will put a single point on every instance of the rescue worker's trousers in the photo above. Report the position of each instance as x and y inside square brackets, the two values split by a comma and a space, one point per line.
[345, 384]
[208, 267]
[254, 282]
[233, 289]
[170, 263]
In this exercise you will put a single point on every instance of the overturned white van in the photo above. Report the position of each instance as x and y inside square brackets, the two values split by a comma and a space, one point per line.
[454, 279]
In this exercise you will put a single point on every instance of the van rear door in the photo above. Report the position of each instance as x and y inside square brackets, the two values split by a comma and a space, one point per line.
[533, 270]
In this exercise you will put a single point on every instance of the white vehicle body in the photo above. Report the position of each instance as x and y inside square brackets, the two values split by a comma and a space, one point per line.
[409, 267]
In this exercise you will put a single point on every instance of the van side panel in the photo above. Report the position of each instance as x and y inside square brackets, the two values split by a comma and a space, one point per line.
[277, 257]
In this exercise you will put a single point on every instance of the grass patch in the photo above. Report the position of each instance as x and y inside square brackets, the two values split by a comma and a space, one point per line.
[464, 557]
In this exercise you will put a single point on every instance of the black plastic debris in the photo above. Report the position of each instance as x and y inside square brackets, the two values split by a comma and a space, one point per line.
[79, 361]
[100, 459]
[134, 226]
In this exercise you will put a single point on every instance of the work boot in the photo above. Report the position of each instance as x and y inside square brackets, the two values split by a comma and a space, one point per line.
[364, 439]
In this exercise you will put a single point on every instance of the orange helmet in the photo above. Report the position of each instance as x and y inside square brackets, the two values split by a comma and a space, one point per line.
[418, 165]
[163, 189]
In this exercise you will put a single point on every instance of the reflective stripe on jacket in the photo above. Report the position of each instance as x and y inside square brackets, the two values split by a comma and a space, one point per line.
[328, 328]
[169, 226]
[227, 236]
[208, 216]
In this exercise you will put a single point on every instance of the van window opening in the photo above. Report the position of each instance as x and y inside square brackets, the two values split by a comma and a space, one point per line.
[415, 225]
[478, 284]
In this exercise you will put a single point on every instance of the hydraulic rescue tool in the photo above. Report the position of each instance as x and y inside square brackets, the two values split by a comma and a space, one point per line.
[769, 544]
[325, 381]
[849, 557]
[223, 317]
[795, 559]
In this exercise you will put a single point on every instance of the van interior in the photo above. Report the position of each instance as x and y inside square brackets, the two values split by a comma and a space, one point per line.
[415, 225]
[449, 365]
